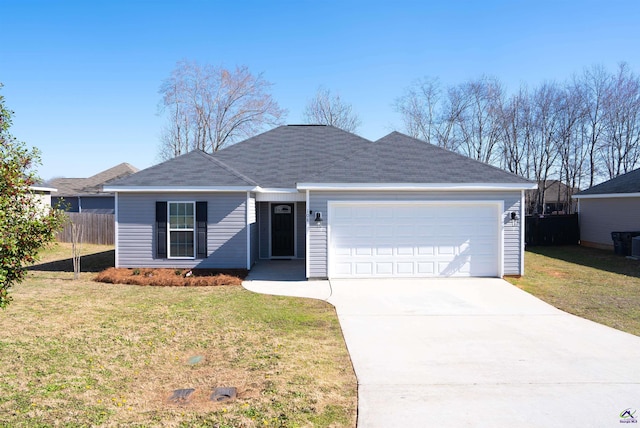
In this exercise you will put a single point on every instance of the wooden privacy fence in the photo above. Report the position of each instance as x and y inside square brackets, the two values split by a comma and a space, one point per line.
[96, 228]
[552, 230]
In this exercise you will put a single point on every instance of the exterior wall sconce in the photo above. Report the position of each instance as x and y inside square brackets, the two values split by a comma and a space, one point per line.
[514, 217]
[318, 218]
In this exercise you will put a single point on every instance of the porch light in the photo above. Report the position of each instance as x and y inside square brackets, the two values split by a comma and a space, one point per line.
[318, 218]
[514, 217]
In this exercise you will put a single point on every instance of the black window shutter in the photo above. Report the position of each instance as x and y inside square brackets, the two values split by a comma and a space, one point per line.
[201, 230]
[161, 230]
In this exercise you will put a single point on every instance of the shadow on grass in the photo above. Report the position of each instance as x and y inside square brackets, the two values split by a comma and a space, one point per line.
[96, 262]
[591, 257]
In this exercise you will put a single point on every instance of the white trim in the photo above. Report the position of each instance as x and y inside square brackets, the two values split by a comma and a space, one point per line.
[499, 204]
[607, 195]
[178, 189]
[116, 216]
[306, 234]
[43, 189]
[246, 220]
[193, 231]
[415, 186]
[522, 228]
[280, 196]
[295, 231]
[278, 190]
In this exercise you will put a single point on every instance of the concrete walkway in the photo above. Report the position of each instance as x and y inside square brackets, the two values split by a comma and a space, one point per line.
[478, 353]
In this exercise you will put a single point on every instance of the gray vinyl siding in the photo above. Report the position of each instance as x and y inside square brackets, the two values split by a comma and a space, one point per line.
[86, 204]
[599, 217]
[317, 257]
[97, 204]
[226, 230]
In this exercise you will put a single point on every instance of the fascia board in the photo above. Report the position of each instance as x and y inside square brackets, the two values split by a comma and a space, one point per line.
[163, 189]
[277, 190]
[43, 189]
[416, 186]
[607, 196]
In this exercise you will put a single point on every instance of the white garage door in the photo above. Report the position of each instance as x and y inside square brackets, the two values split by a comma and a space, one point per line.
[413, 239]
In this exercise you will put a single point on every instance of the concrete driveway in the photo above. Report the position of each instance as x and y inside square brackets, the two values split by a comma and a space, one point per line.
[476, 353]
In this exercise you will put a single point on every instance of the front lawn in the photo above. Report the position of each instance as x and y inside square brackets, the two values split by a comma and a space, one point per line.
[593, 284]
[82, 353]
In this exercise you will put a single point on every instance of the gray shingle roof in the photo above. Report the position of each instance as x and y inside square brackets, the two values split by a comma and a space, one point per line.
[626, 183]
[398, 158]
[293, 154]
[91, 185]
[287, 155]
[195, 168]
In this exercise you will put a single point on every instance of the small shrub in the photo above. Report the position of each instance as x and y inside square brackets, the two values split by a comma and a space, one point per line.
[136, 272]
[178, 272]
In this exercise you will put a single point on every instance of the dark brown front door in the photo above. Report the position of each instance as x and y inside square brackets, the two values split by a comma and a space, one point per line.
[282, 230]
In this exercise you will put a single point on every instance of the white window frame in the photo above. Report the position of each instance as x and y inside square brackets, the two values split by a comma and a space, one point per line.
[169, 230]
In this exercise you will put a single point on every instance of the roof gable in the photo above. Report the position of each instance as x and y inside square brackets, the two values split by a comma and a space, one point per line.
[626, 183]
[398, 158]
[194, 169]
[289, 154]
[93, 184]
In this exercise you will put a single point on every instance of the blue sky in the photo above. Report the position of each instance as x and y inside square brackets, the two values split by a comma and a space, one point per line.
[83, 77]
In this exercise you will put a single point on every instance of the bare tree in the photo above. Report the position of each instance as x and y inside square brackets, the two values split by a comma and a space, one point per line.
[210, 107]
[76, 247]
[516, 124]
[328, 109]
[571, 142]
[593, 86]
[418, 108]
[620, 151]
[479, 125]
[430, 115]
[545, 113]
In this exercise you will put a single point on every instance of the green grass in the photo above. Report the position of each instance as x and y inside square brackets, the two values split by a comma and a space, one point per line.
[593, 284]
[81, 353]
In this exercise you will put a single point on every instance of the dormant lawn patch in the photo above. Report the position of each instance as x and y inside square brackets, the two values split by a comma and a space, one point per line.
[83, 353]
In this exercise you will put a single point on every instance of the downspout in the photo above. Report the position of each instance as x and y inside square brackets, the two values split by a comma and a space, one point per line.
[306, 240]
[116, 229]
[246, 216]
[79, 203]
[522, 228]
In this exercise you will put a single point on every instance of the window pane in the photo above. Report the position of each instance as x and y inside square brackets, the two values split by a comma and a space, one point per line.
[181, 215]
[181, 244]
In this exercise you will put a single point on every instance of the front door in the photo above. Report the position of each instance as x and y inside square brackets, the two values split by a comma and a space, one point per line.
[282, 230]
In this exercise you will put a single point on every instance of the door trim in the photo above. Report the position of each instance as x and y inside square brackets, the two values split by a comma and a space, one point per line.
[295, 231]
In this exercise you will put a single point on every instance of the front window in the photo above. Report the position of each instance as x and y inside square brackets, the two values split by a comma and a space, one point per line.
[181, 230]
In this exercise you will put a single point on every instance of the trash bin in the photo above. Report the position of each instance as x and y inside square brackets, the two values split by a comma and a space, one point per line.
[622, 242]
[618, 244]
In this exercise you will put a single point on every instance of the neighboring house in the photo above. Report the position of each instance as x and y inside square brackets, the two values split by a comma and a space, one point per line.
[349, 207]
[557, 199]
[612, 206]
[42, 194]
[85, 194]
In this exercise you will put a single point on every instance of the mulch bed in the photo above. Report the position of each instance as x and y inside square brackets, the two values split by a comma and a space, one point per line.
[172, 277]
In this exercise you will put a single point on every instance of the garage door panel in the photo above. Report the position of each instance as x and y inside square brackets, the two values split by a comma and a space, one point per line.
[384, 251]
[384, 268]
[364, 269]
[414, 239]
